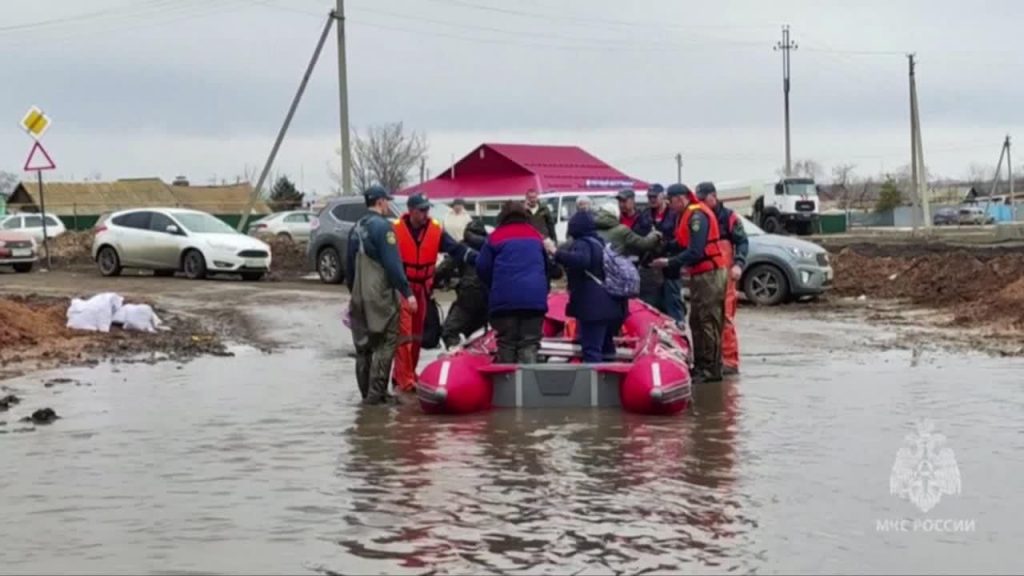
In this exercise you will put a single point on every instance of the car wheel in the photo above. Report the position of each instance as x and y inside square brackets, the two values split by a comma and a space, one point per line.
[23, 267]
[285, 237]
[328, 266]
[766, 285]
[163, 273]
[108, 261]
[252, 276]
[772, 225]
[194, 265]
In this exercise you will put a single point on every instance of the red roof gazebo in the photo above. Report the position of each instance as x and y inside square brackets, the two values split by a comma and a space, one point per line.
[510, 170]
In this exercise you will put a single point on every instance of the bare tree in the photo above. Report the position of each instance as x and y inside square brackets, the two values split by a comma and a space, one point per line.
[8, 182]
[806, 168]
[384, 155]
[842, 184]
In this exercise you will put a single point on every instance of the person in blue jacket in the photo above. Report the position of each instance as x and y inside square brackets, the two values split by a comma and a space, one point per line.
[513, 266]
[598, 314]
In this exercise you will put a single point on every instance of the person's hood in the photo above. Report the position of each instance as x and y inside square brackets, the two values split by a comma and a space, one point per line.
[475, 234]
[582, 225]
[605, 220]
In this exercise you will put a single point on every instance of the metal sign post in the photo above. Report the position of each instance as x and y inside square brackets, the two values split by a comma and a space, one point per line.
[35, 124]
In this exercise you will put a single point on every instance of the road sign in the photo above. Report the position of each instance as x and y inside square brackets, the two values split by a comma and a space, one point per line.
[34, 163]
[35, 122]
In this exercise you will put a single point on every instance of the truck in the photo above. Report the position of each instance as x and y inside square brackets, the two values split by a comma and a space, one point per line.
[786, 205]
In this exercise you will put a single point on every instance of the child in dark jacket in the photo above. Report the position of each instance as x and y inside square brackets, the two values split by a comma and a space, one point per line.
[598, 314]
[513, 265]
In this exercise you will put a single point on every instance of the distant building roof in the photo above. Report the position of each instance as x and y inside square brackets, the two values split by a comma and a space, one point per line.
[502, 170]
[91, 198]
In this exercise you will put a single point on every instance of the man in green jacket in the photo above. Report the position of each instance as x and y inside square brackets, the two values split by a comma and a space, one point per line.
[622, 238]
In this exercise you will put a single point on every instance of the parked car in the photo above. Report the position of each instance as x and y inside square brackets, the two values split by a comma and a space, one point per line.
[32, 224]
[781, 268]
[946, 217]
[169, 240]
[18, 250]
[294, 225]
[328, 240]
[973, 215]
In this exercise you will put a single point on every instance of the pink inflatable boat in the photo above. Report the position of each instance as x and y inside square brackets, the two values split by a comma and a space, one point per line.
[650, 374]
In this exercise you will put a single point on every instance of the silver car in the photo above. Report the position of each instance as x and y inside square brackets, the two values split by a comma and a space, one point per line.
[295, 226]
[170, 240]
[781, 268]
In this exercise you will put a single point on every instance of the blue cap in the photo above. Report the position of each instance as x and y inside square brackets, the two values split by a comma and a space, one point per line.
[704, 189]
[655, 190]
[677, 190]
[374, 193]
[418, 201]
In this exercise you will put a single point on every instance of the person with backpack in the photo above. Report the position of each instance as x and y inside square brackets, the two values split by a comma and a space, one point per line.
[601, 282]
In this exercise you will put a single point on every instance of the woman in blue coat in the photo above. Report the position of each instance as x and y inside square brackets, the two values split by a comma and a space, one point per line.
[598, 314]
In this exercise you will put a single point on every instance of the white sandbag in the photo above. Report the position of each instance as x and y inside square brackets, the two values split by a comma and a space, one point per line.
[138, 317]
[95, 314]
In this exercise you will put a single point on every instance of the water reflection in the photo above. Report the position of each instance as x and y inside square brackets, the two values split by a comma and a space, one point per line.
[543, 491]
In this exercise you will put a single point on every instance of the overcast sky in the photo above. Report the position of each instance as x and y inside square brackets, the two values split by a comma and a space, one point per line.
[199, 87]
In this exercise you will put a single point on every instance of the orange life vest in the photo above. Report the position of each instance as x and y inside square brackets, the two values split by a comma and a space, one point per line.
[713, 257]
[419, 256]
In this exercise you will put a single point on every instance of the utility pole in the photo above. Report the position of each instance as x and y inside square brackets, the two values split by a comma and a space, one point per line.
[423, 170]
[346, 151]
[679, 168]
[786, 46]
[1009, 172]
[918, 172]
[913, 138]
[287, 122]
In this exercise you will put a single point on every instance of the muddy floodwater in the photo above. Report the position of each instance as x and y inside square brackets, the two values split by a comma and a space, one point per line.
[266, 463]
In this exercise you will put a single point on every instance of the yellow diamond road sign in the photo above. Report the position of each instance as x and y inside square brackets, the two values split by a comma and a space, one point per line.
[35, 122]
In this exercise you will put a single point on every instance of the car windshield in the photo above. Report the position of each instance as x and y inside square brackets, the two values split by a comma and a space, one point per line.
[750, 228]
[203, 223]
[801, 189]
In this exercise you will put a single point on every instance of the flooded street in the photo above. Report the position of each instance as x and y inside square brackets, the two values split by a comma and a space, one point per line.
[267, 463]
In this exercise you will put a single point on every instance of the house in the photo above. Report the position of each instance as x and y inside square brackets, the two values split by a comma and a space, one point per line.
[504, 171]
[80, 204]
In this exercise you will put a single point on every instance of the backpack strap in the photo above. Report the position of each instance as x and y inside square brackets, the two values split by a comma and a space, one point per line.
[591, 242]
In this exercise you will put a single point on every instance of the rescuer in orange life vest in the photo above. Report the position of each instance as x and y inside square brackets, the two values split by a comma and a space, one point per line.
[734, 248]
[420, 240]
[701, 256]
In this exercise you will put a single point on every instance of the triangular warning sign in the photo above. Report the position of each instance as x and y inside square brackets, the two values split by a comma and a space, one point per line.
[34, 163]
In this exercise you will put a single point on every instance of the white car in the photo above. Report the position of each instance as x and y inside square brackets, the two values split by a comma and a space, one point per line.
[294, 226]
[168, 240]
[32, 224]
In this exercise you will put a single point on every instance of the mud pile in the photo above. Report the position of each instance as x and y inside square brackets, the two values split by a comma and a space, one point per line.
[978, 285]
[33, 330]
[72, 250]
[288, 258]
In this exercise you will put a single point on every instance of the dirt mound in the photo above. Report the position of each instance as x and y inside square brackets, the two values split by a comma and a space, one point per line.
[27, 321]
[72, 249]
[981, 286]
[288, 257]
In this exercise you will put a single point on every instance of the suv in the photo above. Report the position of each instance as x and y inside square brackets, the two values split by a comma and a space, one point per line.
[328, 236]
[781, 268]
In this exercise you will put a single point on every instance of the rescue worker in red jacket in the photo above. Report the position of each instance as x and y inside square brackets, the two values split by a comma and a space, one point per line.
[698, 238]
[734, 249]
[420, 240]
